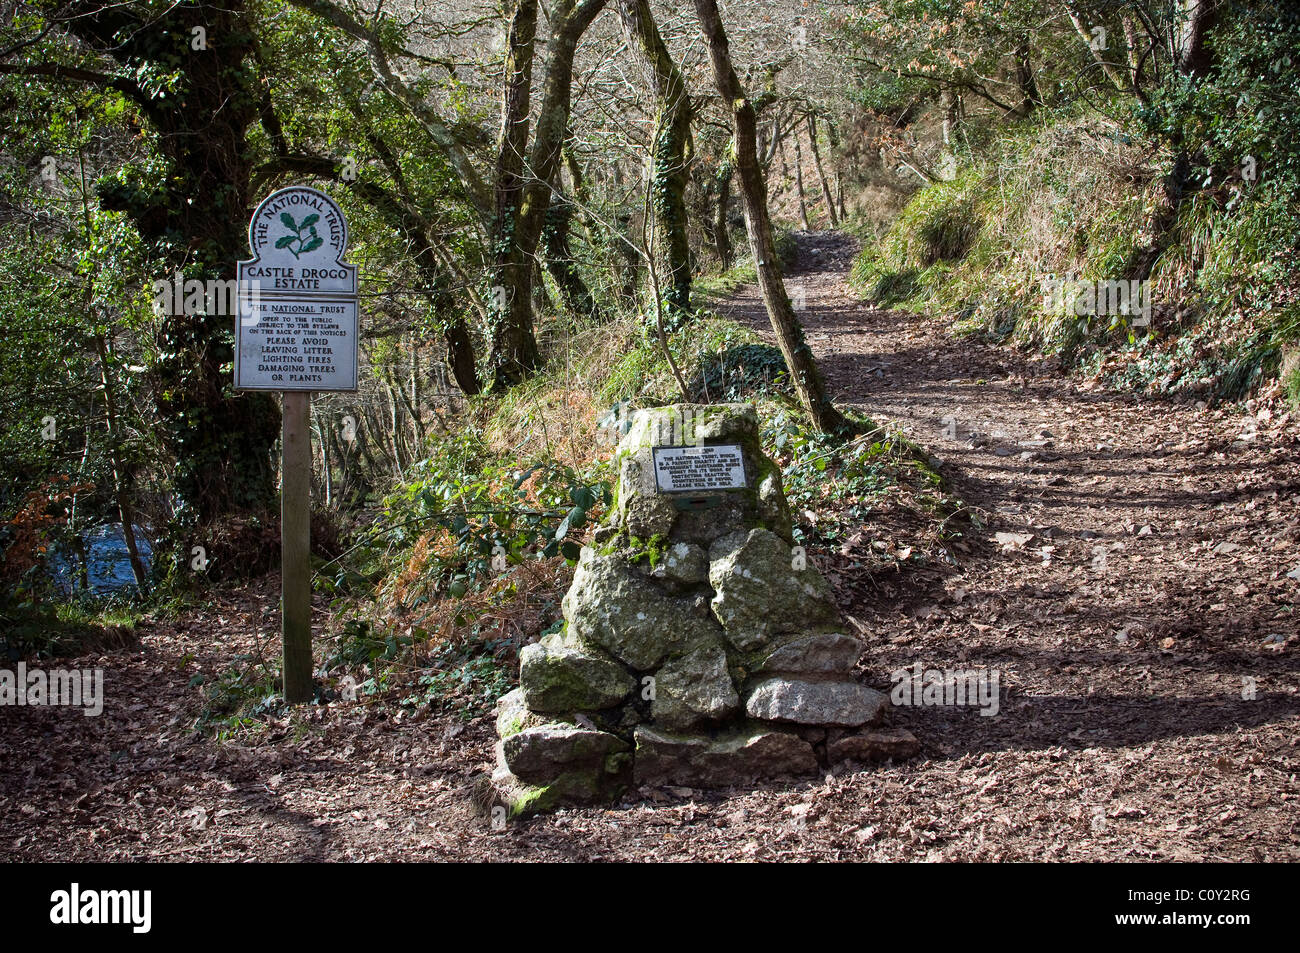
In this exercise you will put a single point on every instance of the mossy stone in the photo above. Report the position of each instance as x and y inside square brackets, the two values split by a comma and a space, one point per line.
[559, 677]
[760, 593]
[613, 606]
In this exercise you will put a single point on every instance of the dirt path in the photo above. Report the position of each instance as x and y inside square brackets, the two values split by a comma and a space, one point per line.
[1143, 578]
[1134, 585]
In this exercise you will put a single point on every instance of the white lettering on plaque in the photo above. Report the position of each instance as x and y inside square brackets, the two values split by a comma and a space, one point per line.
[297, 325]
[691, 469]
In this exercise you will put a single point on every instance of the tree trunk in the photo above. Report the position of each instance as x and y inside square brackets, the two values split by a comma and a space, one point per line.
[513, 351]
[721, 229]
[1196, 17]
[1025, 81]
[1100, 57]
[798, 184]
[194, 216]
[832, 136]
[672, 153]
[562, 266]
[522, 201]
[626, 264]
[327, 478]
[784, 174]
[629, 264]
[78, 542]
[590, 226]
[121, 474]
[1193, 59]
[804, 372]
[821, 173]
[417, 394]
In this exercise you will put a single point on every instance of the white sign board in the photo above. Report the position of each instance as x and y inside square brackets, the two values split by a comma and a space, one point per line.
[297, 324]
[687, 469]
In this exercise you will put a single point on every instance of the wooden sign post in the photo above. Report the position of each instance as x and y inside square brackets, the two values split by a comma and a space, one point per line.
[297, 333]
[295, 545]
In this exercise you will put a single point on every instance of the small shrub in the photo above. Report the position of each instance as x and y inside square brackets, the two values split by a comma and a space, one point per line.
[739, 372]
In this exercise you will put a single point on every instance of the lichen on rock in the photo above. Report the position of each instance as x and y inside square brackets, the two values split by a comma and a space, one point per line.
[808, 702]
[818, 653]
[614, 606]
[540, 755]
[694, 689]
[748, 753]
[556, 676]
[760, 592]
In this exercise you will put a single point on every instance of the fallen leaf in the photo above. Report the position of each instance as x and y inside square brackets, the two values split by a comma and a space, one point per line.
[1012, 541]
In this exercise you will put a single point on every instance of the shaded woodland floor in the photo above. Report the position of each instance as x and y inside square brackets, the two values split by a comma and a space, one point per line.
[1139, 577]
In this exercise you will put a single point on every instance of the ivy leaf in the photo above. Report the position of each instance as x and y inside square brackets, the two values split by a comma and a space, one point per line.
[288, 221]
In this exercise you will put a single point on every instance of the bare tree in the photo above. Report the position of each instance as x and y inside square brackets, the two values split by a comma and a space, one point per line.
[806, 375]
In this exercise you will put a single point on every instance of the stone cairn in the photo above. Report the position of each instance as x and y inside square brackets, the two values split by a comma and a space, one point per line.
[699, 648]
